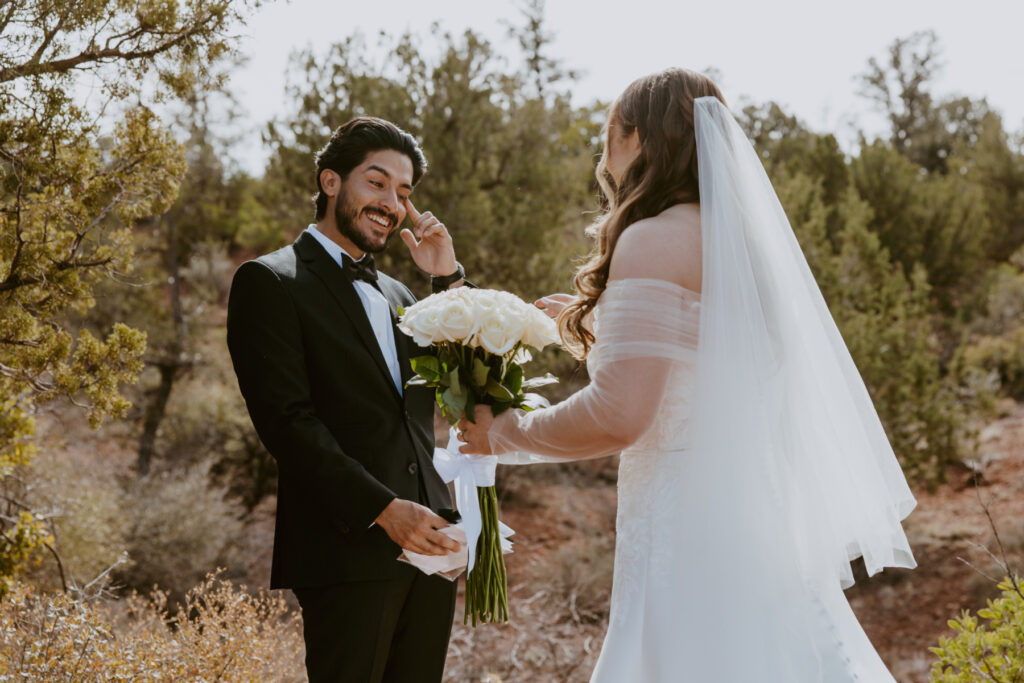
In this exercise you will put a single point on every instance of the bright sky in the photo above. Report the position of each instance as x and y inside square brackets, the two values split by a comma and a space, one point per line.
[804, 54]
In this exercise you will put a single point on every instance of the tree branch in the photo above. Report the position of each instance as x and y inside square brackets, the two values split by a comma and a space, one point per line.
[11, 9]
[15, 283]
[93, 55]
[18, 235]
[48, 37]
[499, 177]
[60, 566]
[28, 343]
[69, 265]
[21, 376]
[1005, 564]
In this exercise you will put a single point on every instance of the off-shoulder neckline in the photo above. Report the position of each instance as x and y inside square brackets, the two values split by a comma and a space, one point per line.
[655, 281]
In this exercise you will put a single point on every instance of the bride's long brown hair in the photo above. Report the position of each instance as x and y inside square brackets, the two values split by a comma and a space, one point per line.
[660, 108]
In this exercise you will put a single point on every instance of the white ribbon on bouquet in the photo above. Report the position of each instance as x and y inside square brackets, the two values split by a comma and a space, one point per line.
[469, 472]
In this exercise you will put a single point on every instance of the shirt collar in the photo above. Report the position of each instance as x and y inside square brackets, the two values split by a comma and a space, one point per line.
[332, 247]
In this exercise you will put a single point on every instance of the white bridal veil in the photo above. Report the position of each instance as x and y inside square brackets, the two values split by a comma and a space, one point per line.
[777, 392]
[772, 457]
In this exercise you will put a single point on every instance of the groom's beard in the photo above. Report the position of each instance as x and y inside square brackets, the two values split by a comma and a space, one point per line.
[345, 217]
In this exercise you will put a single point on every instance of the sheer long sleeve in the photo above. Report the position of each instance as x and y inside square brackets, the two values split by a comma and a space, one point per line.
[644, 330]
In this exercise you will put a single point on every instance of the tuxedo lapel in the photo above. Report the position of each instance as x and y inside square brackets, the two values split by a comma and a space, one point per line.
[344, 293]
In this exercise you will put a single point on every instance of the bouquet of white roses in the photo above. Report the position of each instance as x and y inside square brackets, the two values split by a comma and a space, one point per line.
[479, 337]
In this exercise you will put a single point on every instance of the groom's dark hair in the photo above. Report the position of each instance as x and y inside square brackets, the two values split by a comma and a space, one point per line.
[350, 144]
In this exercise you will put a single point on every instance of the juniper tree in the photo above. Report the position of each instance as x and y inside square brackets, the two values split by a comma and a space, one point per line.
[82, 160]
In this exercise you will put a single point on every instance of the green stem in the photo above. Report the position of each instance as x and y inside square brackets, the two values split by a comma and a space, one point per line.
[487, 584]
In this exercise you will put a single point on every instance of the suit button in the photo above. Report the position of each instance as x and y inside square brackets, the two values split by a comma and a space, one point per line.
[413, 468]
[407, 415]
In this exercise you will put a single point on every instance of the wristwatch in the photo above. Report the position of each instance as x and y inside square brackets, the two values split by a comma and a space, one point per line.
[441, 283]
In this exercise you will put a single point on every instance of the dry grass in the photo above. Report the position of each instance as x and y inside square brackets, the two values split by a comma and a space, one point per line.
[222, 633]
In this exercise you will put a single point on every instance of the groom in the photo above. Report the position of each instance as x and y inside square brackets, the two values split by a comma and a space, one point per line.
[322, 367]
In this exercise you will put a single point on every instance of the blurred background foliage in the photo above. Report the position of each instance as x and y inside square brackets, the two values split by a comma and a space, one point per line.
[121, 229]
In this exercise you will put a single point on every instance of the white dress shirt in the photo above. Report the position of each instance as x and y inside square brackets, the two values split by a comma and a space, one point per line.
[377, 308]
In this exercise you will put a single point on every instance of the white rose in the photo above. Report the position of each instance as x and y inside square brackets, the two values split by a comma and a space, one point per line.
[484, 302]
[416, 309]
[499, 333]
[508, 300]
[541, 330]
[456, 319]
[423, 324]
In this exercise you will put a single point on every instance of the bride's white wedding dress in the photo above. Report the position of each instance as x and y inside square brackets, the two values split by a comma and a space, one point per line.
[753, 467]
[704, 588]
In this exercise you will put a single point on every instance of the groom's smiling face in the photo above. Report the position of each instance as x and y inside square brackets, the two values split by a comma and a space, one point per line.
[370, 203]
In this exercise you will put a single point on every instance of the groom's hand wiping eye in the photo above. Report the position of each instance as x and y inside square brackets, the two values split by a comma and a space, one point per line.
[424, 224]
[429, 242]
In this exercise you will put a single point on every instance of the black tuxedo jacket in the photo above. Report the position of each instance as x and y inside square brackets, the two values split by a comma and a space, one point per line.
[323, 402]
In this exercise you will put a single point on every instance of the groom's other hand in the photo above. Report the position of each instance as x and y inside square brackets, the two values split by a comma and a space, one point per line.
[552, 304]
[429, 243]
[414, 528]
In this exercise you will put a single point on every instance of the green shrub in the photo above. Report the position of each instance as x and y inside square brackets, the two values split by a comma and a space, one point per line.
[1003, 356]
[183, 526]
[84, 507]
[985, 652]
[206, 418]
[996, 345]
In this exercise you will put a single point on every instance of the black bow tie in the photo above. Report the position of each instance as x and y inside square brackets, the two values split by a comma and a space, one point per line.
[364, 269]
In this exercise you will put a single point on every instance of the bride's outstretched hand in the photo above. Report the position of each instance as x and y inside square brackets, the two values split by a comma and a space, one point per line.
[552, 304]
[474, 435]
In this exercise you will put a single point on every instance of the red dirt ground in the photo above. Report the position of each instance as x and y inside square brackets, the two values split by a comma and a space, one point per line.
[560, 573]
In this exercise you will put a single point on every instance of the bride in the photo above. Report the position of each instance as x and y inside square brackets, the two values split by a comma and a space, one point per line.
[753, 466]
